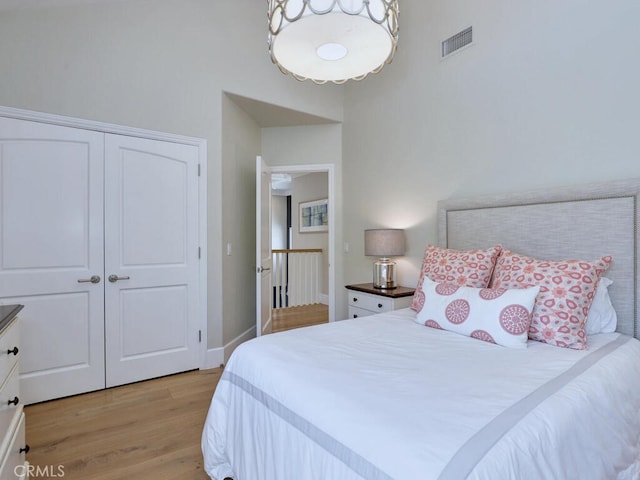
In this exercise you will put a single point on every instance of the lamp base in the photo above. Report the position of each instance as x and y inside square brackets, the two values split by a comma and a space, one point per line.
[384, 274]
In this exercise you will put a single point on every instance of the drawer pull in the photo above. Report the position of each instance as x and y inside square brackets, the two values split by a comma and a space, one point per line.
[25, 449]
[379, 305]
[355, 315]
[15, 401]
[14, 351]
[355, 299]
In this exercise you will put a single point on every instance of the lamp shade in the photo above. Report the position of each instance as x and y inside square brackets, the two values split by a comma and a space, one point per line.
[332, 40]
[384, 242]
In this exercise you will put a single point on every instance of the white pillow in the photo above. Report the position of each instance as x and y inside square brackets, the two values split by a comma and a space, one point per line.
[602, 317]
[499, 315]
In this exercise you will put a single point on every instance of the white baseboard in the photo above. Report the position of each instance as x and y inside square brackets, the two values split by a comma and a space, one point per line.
[220, 355]
[266, 328]
[214, 358]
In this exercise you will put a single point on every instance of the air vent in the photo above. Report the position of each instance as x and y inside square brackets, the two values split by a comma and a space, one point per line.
[457, 41]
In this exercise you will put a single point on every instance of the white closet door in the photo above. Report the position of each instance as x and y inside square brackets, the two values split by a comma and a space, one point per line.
[151, 256]
[51, 238]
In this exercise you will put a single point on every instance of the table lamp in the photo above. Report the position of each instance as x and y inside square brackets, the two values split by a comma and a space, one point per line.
[384, 243]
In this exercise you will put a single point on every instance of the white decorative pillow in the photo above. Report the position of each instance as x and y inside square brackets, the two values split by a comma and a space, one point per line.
[494, 315]
[602, 317]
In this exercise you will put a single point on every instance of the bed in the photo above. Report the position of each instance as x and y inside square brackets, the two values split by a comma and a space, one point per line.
[385, 397]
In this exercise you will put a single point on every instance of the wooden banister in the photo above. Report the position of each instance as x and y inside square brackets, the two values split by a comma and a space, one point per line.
[299, 250]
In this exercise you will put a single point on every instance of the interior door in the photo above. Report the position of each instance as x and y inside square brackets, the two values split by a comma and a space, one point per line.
[51, 254]
[151, 258]
[263, 248]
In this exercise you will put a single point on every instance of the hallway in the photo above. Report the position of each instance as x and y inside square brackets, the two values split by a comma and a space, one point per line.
[299, 316]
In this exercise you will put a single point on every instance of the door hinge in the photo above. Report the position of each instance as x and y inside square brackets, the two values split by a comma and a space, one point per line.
[198, 169]
[199, 336]
[199, 252]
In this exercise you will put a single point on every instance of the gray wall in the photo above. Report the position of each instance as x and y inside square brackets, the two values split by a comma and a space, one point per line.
[313, 186]
[241, 142]
[279, 222]
[547, 96]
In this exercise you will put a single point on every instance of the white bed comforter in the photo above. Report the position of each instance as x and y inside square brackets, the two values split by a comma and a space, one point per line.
[385, 398]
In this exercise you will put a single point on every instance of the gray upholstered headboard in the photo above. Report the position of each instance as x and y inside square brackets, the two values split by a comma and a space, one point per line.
[568, 223]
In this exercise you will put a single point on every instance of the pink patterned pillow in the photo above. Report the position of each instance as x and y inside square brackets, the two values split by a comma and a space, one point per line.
[495, 315]
[567, 288]
[468, 268]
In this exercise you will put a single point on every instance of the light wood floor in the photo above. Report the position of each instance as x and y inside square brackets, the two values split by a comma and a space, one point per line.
[148, 430]
[301, 316]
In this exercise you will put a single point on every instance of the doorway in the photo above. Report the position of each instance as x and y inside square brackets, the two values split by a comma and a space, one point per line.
[303, 248]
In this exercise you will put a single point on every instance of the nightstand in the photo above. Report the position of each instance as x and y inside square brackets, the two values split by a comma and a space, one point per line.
[365, 300]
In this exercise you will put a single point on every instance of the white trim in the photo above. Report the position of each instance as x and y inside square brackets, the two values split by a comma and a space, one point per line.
[330, 170]
[61, 120]
[202, 237]
[84, 124]
[214, 358]
[220, 355]
[267, 327]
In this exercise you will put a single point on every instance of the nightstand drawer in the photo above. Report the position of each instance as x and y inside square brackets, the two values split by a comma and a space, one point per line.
[373, 303]
[355, 312]
[365, 300]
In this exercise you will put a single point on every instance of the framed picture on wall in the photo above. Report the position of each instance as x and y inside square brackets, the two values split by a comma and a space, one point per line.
[314, 216]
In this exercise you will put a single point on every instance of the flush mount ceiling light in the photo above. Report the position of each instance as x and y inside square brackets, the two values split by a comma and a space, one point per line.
[332, 40]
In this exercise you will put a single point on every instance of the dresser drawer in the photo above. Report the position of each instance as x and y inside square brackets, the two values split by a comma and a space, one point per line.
[355, 312]
[14, 465]
[9, 392]
[373, 303]
[8, 343]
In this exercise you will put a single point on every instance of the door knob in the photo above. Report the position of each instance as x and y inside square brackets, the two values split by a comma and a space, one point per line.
[93, 279]
[114, 278]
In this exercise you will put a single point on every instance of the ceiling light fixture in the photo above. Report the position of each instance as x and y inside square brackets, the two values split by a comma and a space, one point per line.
[332, 40]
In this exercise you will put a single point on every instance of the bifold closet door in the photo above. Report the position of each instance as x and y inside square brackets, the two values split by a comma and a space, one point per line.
[51, 254]
[151, 258]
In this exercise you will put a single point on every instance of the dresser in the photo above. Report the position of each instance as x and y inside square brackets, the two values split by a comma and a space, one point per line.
[12, 431]
[365, 300]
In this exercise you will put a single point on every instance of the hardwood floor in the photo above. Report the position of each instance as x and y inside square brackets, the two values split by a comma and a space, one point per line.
[147, 430]
[300, 316]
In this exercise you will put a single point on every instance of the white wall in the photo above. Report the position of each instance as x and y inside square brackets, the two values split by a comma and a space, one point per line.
[548, 96]
[163, 65]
